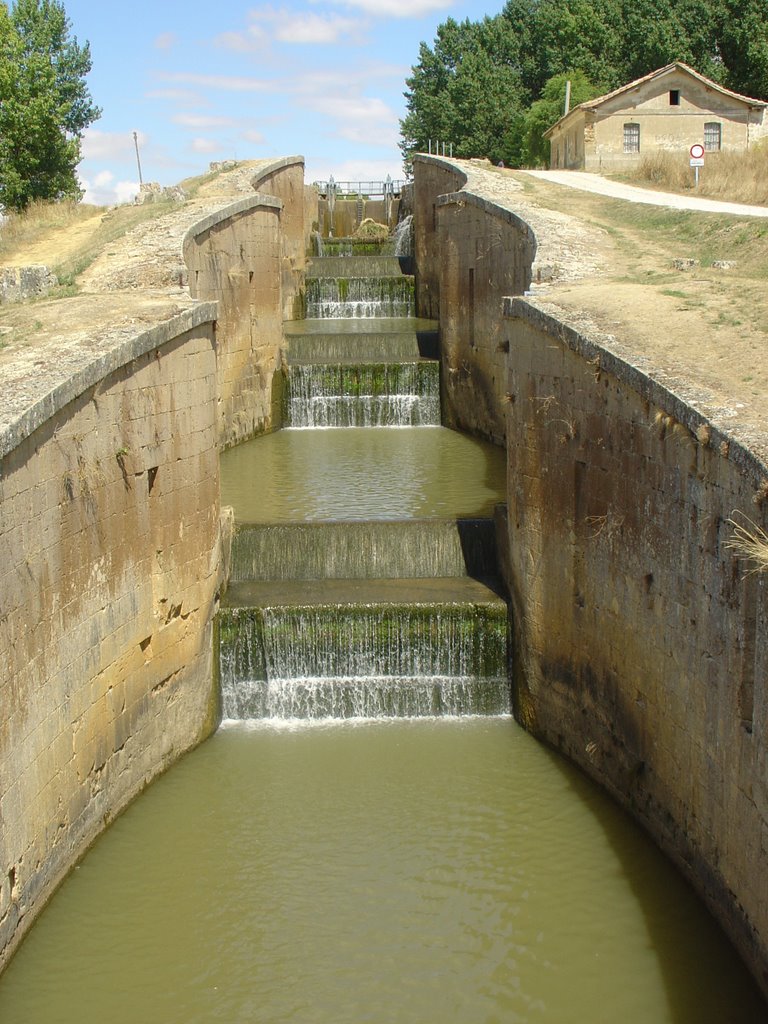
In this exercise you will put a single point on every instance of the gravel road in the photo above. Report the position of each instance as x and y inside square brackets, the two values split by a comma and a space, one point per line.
[603, 186]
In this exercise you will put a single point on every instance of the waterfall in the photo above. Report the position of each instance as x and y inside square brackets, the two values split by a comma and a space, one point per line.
[404, 237]
[370, 660]
[360, 297]
[376, 618]
[374, 395]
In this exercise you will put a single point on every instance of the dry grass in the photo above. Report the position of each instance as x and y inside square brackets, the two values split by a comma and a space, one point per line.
[372, 229]
[737, 177]
[19, 230]
[748, 541]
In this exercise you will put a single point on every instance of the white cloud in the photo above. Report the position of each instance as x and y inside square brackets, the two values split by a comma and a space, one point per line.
[360, 119]
[343, 81]
[279, 24]
[241, 42]
[253, 136]
[103, 190]
[397, 8]
[109, 145]
[177, 95]
[229, 83]
[202, 121]
[301, 26]
[204, 145]
[352, 170]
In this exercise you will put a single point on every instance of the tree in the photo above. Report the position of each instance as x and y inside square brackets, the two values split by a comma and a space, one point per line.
[550, 108]
[466, 91]
[45, 104]
[742, 39]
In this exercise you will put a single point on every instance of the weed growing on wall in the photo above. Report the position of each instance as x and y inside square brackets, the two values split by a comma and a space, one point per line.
[749, 542]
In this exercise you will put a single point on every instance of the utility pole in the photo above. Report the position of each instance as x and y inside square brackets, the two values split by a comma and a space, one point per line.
[138, 161]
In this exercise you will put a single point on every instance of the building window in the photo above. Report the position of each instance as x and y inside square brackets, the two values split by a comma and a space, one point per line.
[631, 138]
[674, 97]
[712, 136]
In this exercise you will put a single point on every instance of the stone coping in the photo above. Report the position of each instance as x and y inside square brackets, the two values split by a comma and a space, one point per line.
[456, 591]
[231, 210]
[747, 452]
[118, 350]
[561, 243]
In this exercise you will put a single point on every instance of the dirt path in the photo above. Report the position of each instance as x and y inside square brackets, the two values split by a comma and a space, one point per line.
[58, 245]
[587, 182]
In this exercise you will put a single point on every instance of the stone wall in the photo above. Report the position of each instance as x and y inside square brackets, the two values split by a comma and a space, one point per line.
[284, 179]
[432, 178]
[640, 644]
[641, 648]
[348, 215]
[250, 256]
[469, 254]
[235, 256]
[113, 546]
[20, 283]
[110, 567]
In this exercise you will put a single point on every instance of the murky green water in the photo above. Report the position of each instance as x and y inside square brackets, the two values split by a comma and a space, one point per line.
[362, 473]
[412, 872]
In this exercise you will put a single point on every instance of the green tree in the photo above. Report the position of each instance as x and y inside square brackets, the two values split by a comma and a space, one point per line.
[563, 35]
[742, 40]
[550, 108]
[45, 104]
[465, 90]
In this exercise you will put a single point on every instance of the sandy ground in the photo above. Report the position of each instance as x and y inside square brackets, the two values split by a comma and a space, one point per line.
[59, 245]
[703, 332]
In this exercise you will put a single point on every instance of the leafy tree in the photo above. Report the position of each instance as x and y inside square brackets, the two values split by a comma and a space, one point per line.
[45, 104]
[466, 91]
[550, 108]
[658, 32]
[742, 40]
[565, 35]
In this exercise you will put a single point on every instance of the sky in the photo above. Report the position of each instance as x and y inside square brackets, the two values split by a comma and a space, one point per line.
[222, 80]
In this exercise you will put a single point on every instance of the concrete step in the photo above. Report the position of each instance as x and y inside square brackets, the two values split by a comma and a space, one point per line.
[336, 593]
[358, 266]
[356, 341]
[383, 549]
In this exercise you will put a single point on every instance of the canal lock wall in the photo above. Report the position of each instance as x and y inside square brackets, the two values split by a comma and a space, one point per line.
[640, 645]
[114, 546]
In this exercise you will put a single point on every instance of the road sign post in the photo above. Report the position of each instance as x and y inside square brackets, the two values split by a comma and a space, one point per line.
[697, 159]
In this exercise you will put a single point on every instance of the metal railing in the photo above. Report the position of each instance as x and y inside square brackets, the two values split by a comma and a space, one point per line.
[359, 189]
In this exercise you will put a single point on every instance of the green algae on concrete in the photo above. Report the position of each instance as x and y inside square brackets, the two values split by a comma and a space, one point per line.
[341, 657]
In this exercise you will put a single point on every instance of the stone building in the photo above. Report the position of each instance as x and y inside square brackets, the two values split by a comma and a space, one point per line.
[669, 109]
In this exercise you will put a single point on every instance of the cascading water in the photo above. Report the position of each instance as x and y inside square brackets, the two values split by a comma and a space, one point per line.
[363, 661]
[314, 632]
[377, 395]
[404, 237]
[362, 297]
